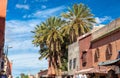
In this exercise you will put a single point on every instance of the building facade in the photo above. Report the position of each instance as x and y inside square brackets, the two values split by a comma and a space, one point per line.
[106, 45]
[8, 67]
[73, 58]
[99, 52]
[106, 42]
[85, 51]
[3, 5]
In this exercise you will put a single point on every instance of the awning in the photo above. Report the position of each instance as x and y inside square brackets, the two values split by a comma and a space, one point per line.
[110, 62]
[85, 70]
[93, 70]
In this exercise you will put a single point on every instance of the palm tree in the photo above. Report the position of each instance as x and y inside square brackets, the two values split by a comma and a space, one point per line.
[80, 21]
[48, 36]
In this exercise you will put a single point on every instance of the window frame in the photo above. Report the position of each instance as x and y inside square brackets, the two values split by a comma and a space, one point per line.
[84, 59]
[108, 51]
[97, 55]
[74, 63]
[70, 64]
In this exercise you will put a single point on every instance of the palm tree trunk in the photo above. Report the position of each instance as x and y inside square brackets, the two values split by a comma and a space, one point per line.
[55, 66]
[60, 65]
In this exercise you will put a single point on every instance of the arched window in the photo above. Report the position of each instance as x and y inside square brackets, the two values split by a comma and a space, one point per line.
[96, 55]
[108, 51]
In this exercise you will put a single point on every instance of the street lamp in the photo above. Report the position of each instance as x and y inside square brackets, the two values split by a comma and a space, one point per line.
[6, 52]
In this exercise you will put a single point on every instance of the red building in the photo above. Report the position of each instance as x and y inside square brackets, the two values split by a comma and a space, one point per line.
[85, 51]
[107, 43]
[106, 46]
[100, 51]
[3, 4]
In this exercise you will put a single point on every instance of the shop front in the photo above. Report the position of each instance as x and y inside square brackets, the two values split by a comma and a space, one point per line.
[94, 72]
[113, 66]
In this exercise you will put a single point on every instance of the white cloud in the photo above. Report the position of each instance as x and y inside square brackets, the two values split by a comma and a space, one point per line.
[27, 16]
[43, 6]
[21, 6]
[20, 27]
[17, 31]
[15, 26]
[24, 54]
[22, 45]
[46, 13]
[27, 61]
[43, 14]
[103, 19]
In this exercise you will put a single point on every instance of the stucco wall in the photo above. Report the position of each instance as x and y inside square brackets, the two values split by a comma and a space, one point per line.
[73, 52]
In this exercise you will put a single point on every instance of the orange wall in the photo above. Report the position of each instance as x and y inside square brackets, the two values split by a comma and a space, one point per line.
[3, 4]
[114, 40]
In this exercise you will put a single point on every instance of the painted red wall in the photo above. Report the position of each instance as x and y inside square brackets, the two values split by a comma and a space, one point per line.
[114, 40]
[85, 45]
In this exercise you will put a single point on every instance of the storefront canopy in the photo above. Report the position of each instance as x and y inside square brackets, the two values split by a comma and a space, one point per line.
[93, 70]
[111, 62]
[85, 70]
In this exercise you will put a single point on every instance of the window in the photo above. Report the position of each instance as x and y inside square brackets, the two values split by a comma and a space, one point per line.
[84, 61]
[97, 55]
[108, 52]
[118, 54]
[2, 64]
[70, 64]
[74, 63]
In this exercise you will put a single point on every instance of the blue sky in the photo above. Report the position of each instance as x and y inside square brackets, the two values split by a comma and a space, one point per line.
[24, 15]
